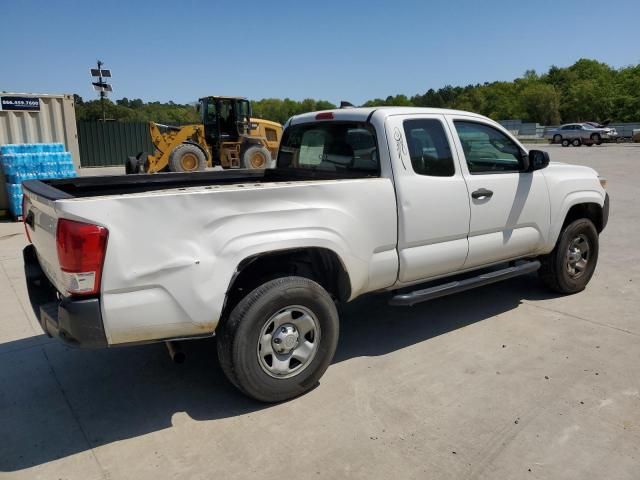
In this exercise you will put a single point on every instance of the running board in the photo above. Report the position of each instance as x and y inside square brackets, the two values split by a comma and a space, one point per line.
[417, 296]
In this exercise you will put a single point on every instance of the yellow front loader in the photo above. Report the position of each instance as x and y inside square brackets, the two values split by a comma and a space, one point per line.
[227, 137]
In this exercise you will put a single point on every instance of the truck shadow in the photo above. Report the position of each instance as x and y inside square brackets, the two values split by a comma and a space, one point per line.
[56, 402]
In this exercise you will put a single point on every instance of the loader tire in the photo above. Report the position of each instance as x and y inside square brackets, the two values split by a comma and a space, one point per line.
[187, 157]
[135, 165]
[256, 157]
[131, 165]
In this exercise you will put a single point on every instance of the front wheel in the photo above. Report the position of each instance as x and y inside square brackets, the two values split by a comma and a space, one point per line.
[576, 142]
[557, 138]
[565, 142]
[279, 340]
[596, 138]
[570, 266]
[187, 157]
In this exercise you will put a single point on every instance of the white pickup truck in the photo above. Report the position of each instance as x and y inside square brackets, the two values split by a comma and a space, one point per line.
[416, 202]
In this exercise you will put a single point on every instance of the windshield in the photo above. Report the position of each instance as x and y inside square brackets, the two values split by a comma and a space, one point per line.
[330, 147]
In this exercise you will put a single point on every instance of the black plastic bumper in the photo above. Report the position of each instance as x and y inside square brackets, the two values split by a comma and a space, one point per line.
[77, 322]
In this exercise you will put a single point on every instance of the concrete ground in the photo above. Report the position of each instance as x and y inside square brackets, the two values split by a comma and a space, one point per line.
[504, 382]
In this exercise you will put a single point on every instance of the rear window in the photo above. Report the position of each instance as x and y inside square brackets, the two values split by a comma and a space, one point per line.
[345, 147]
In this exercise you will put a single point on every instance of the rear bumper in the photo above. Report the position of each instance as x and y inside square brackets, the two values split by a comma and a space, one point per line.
[77, 322]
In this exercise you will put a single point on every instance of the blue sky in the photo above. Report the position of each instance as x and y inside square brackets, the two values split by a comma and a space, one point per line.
[354, 50]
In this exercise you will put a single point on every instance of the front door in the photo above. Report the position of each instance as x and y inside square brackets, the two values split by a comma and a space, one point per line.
[433, 201]
[510, 212]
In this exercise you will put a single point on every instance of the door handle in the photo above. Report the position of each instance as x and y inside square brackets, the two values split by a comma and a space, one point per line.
[482, 193]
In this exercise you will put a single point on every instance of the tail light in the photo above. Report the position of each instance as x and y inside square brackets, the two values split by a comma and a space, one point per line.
[81, 250]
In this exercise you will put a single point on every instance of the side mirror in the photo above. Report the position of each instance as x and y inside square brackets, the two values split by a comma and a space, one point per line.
[538, 160]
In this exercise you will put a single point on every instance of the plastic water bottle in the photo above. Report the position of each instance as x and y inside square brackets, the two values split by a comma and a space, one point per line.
[46, 166]
[26, 162]
[42, 165]
[7, 163]
[17, 164]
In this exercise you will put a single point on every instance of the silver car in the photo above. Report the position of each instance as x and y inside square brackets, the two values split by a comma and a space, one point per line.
[576, 134]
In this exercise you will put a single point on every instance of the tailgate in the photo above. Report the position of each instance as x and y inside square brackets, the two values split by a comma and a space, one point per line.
[41, 221]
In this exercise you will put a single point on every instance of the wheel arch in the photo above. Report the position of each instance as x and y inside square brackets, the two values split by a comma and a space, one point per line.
[202, 149]
[589, 210]
[590, 206]
[247, 142]
[319, 264]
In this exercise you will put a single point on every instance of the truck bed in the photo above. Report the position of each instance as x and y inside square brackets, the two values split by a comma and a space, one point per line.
[83, 187]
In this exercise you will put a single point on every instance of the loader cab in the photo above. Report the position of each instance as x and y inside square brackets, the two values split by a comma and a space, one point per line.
[225, 119]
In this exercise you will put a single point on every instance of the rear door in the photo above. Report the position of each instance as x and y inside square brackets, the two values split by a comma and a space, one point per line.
[510, 212]
[433, 201]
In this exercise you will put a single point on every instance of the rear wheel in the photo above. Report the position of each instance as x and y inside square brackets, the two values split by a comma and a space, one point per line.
[565, 143]
[187, 157]
[279, 340]
[576, 142]
[256, 157]
[557, 138]
[570, 266]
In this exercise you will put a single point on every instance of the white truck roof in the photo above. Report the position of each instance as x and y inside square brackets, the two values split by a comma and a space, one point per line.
[361, 114]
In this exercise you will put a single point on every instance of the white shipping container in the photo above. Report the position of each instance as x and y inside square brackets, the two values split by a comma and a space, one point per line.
[46, 119]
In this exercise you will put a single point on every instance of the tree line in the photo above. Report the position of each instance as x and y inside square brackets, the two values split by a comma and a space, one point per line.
[586, 90]
[125, 110]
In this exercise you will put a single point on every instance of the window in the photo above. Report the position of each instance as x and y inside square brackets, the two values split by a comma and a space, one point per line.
[487, 149]
[210, 111]
[271, 134]
[244, 109]
[330, 147]
[428, 148]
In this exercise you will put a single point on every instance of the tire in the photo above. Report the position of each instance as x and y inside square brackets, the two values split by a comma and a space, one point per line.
[576, 142]
[187, 157]
[244, 358]
[565, 143]
[590, 144]
[597, 139]
[557, 138]
[556, 270]
[131, 165]
[142, 162]
[256, 157]
[135, 165]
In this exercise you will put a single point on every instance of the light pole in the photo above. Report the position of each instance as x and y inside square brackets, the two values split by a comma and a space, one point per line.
[101, 86]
